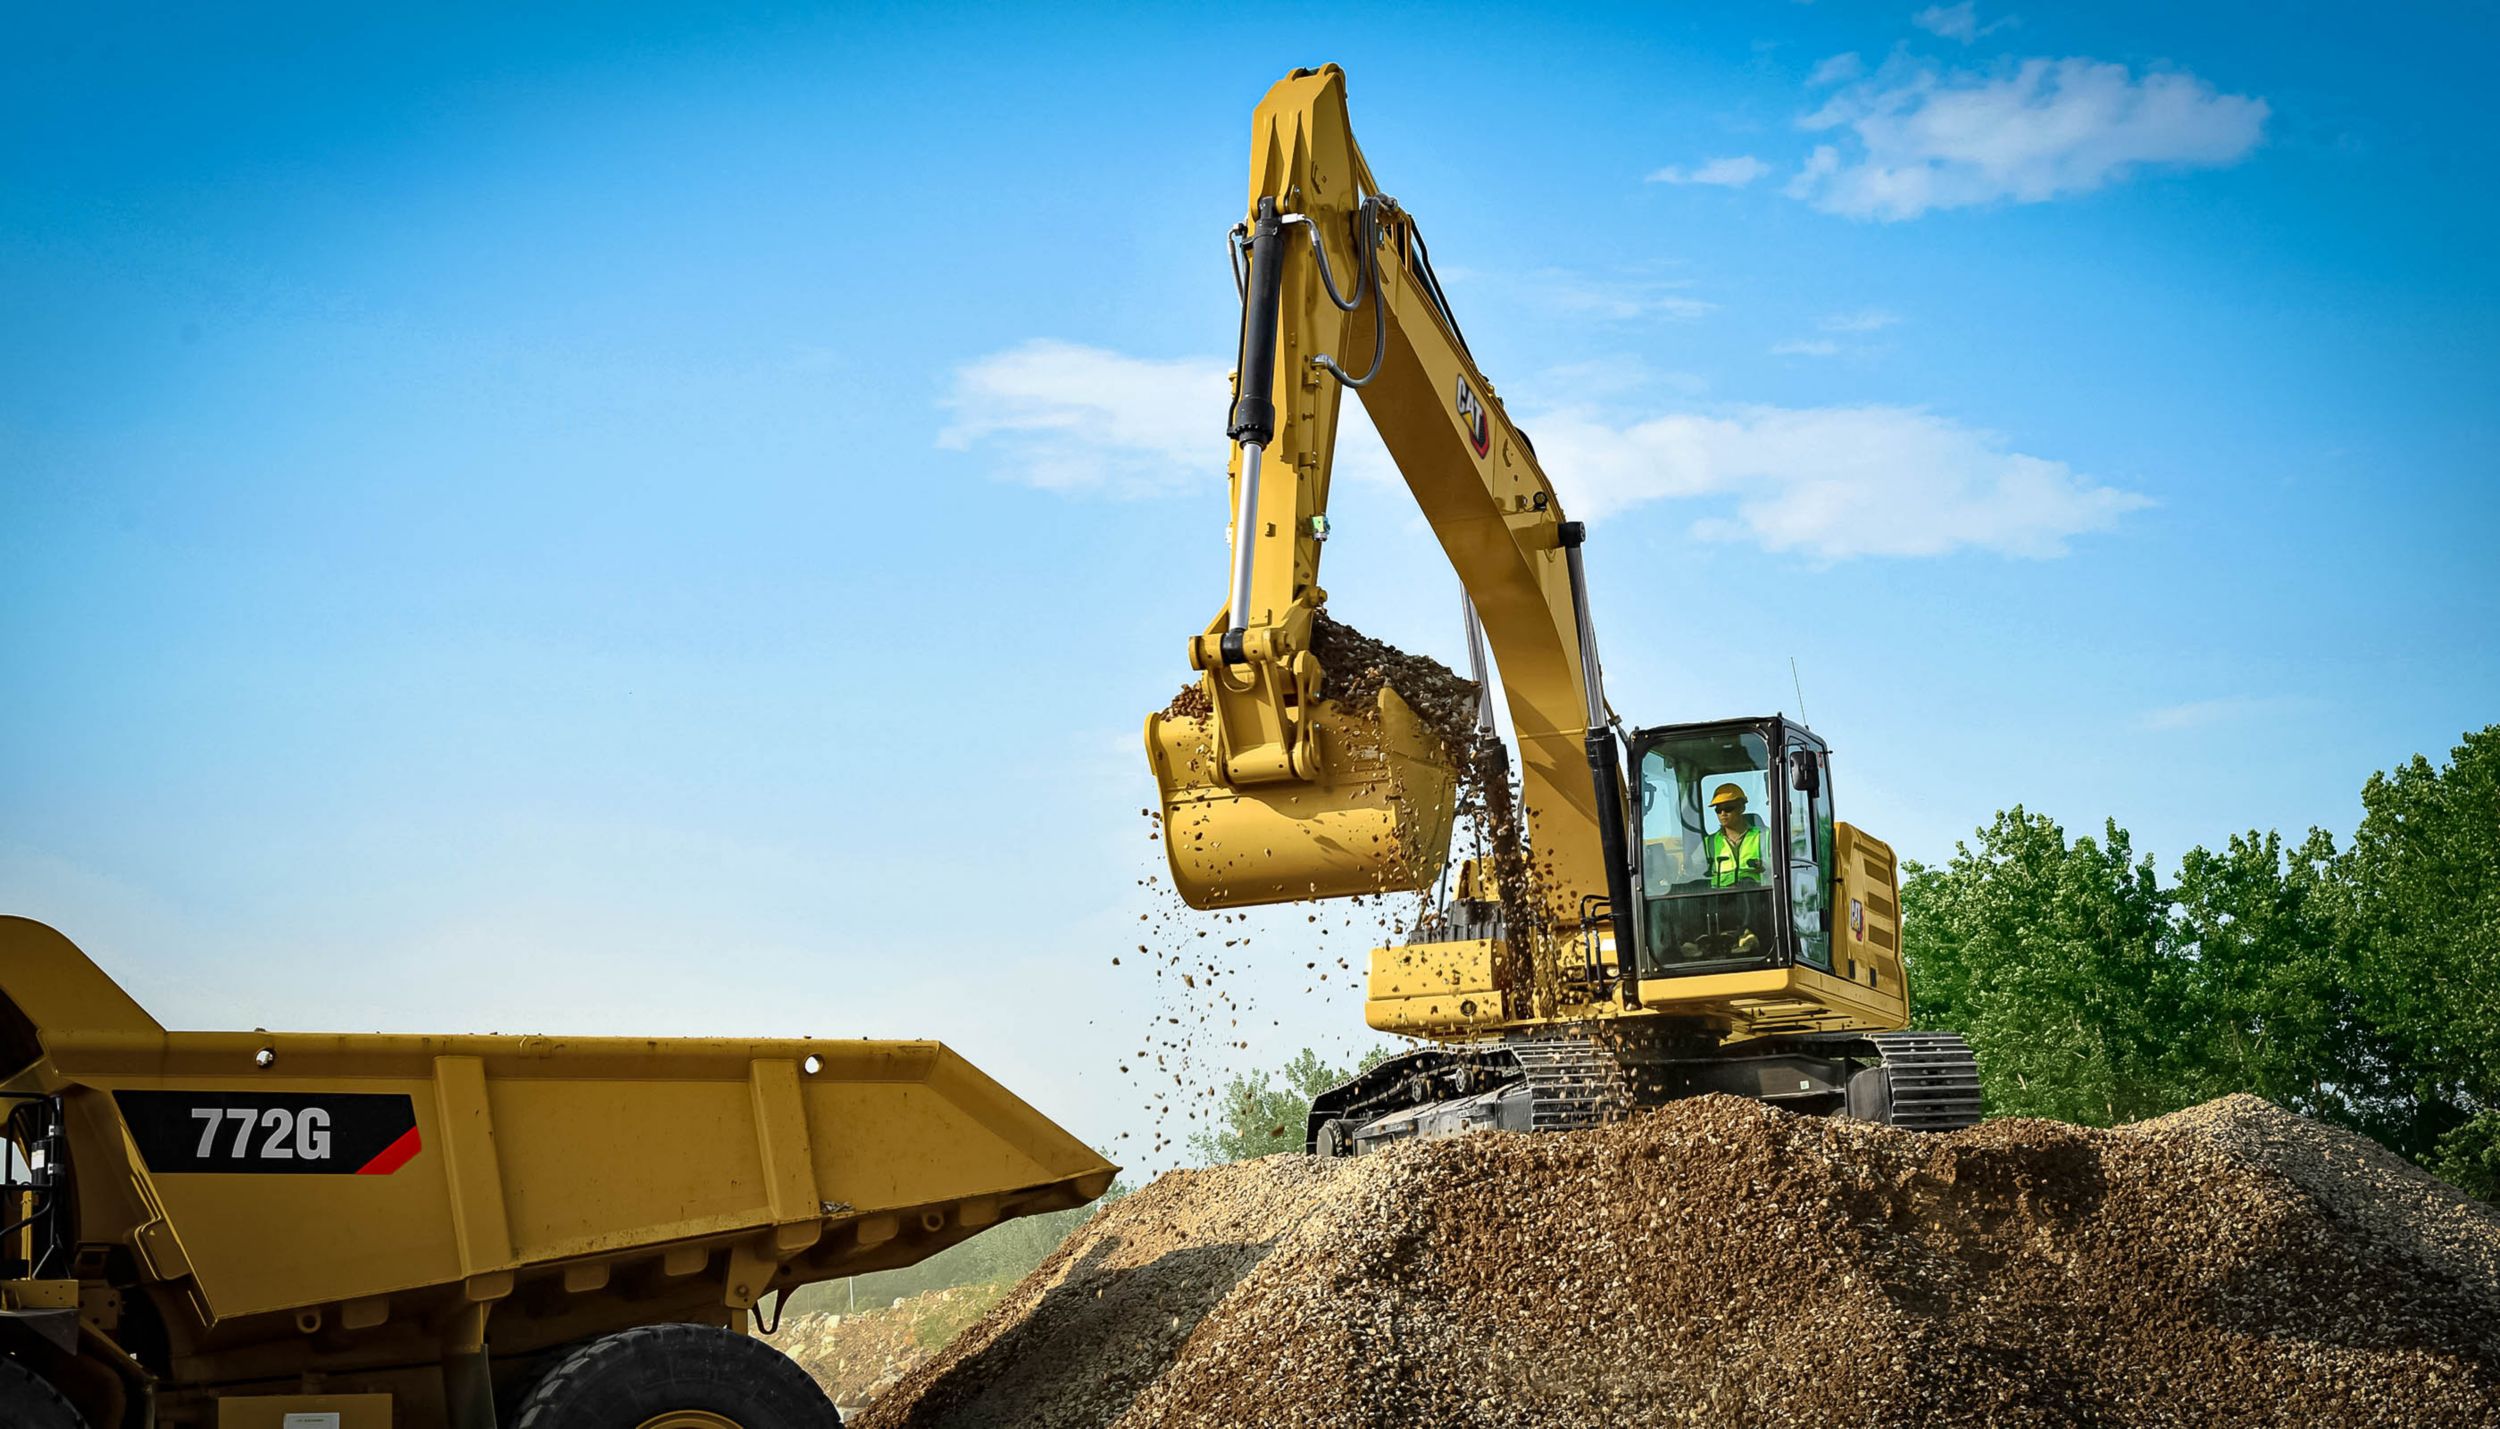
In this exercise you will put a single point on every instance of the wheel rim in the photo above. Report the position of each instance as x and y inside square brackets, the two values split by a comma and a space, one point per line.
[689, 1419]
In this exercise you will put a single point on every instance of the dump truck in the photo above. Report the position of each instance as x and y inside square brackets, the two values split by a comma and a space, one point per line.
[257, 1230]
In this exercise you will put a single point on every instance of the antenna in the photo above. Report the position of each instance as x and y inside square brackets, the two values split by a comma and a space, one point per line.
[1801, 690]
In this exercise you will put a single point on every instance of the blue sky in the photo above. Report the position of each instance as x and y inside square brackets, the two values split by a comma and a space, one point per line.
[614, 519]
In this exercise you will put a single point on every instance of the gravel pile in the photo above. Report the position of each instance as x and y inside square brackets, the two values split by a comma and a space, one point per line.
[1718, 1262]
[1357, 666]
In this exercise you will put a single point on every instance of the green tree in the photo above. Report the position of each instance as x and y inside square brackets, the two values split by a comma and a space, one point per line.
[2052, 956]
[2273, 1007]
[1262, 1117]
[2422, 914]
[2360, 987]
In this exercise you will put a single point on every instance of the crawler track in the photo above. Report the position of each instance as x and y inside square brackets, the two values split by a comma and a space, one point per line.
[1569, 1080]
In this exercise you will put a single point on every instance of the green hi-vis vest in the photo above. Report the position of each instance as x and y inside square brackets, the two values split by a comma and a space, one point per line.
[1739, 864]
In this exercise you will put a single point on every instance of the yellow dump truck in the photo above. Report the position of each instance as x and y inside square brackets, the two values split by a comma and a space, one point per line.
[256, 1230]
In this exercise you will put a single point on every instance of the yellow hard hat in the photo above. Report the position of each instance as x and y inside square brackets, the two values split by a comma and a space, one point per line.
[1726, 794]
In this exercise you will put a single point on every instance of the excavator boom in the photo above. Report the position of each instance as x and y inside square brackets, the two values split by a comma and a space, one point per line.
[1271, 790]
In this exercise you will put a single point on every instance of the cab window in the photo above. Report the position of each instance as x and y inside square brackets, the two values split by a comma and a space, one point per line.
[1709, 854]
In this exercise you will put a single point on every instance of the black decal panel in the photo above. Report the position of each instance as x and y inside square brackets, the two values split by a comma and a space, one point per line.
[272, 1133]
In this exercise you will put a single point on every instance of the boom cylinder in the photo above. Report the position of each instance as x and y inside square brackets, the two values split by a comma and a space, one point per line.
[1253, 421]
[1245, 517]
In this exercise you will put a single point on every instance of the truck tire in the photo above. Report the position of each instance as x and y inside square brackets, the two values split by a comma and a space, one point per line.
[675, 1377]
[27, 1402]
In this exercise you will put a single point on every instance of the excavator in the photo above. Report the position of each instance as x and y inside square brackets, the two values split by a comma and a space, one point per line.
[1653, 911]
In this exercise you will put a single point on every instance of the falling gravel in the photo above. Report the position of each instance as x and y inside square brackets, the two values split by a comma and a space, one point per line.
[1720, 1262]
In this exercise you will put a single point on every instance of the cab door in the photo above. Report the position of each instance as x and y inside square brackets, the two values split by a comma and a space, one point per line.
[1806, 834]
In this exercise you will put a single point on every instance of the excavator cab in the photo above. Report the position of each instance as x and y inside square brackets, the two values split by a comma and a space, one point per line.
[1735, 864]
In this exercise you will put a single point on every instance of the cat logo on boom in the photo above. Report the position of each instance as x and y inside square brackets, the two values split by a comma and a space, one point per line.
[1471, 412]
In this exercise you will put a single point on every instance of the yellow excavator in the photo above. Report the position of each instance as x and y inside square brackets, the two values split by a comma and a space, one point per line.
[1702, 925]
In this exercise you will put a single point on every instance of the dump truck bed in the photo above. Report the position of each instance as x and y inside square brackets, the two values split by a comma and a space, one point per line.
[324, 1201]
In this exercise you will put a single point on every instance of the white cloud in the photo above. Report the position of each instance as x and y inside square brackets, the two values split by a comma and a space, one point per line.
[1927, 139]
[1614, 375]
[1956, 22]
[2204, 714]
[1832, 482]
[1857, 323]
[1827, 482]
[1836, 70]
[1070, 418]
[1615, 298]
[1730, 173]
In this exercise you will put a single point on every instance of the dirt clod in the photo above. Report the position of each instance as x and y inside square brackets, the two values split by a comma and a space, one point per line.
[1719, 1262]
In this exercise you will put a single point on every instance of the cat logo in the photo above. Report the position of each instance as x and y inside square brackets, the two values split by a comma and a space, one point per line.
[1471, 412]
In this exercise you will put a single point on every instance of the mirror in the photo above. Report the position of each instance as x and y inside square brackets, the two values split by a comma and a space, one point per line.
[1802, 777]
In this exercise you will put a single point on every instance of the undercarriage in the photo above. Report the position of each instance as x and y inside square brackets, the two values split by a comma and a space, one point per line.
[1567, 1079]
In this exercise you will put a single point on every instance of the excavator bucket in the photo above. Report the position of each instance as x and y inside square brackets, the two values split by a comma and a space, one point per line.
[1376, 820]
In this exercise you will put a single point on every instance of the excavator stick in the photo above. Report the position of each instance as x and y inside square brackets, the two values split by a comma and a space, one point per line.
[1372, 817]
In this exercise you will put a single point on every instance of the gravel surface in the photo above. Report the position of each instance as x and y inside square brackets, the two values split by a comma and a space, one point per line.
[1719, 1262]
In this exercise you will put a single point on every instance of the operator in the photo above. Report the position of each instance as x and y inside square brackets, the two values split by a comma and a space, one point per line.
[1735, 849]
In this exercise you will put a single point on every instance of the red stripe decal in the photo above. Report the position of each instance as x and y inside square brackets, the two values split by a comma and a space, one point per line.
[390, 1158]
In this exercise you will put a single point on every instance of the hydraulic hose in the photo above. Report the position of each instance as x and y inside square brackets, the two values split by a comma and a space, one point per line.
[1366, 280]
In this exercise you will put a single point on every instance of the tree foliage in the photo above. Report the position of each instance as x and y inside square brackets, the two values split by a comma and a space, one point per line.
[2422, 914]
[1267, 1112]
[2356, 986]
[2049, 956]
[1001, 1255]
